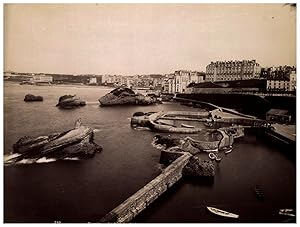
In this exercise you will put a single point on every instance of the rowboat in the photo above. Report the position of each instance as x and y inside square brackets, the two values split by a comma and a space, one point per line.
[259, 192]
[187, 126]
[287, 212]
[222, 212]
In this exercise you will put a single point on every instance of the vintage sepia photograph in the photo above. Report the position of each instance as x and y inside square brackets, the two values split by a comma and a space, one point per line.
[149, 113]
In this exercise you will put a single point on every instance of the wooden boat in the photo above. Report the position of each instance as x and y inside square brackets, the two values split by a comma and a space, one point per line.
[287, 212]
[222, 212]
[187, 126]
[258, 192]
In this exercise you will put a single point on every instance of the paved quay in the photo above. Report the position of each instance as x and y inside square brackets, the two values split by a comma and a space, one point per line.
[287, 131]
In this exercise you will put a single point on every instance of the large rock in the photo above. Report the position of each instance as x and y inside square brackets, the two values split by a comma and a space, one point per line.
[70, 101]
[197, 167]
[77, 142]
[33, 98]
[125, 96]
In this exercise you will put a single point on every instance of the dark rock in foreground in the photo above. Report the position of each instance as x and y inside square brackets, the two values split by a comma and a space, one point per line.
[197, 167]
[75, 143]
[70, 101]
[33, 98]
[125, 96]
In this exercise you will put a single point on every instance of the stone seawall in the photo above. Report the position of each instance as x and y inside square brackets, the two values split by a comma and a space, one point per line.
[131, 207]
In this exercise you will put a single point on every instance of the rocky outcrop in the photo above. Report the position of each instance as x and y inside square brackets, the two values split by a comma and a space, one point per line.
[33, 98]
[125, 96]
[197, 167]
[70, 101]
[74, 143]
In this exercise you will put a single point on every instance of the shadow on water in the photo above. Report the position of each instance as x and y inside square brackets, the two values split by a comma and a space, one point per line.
[170, 194]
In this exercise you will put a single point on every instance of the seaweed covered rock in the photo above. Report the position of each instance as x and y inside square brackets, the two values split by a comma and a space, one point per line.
[33, 98]
[124, 96]
[166, 141]
[75, 143]
[70, 101]
[197, 167]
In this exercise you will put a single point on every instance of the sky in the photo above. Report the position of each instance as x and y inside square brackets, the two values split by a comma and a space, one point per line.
[131, 39]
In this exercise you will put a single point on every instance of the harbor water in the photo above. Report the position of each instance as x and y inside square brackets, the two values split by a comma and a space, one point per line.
[85, 190]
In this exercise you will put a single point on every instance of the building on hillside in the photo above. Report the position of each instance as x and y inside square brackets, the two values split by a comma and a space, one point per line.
[232, 70]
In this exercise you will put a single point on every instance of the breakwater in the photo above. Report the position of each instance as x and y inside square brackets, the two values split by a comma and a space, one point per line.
[246, 103]
[136, 203]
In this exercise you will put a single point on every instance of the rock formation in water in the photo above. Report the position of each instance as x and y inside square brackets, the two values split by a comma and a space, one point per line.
[32, 98]
[125, 96]
[197, 167]
[70, 101]
[74, 143]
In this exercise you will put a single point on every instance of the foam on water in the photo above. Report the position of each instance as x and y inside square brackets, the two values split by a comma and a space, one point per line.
[26, 161]
[10, 156]
[142, 129]
[157, 146]
[74, 159]
[97, 130]
[45, 160]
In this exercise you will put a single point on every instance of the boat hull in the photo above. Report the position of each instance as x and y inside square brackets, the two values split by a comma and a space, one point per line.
[222, 213]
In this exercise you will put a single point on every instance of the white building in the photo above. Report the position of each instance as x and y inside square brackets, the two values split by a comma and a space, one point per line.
[41, 78]
[178, 81]
[93, 80]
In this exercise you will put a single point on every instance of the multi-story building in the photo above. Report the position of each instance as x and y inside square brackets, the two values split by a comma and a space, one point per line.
[178, 81]
[278, 84]
[282, 78]
[232, 70]
[292, 81]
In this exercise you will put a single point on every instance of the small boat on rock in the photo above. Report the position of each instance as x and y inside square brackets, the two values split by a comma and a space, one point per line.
[222, 213]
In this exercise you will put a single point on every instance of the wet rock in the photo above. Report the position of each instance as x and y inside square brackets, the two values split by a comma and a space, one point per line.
[166, 141]
[197, 167]
[70, 101]
[188, 146]
[77, 142]
[125, 96]
[33, 98]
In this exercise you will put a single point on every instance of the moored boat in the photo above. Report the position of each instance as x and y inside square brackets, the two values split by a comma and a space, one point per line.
[259, 192]
[187, 126]
[222, 212]
[287, 212]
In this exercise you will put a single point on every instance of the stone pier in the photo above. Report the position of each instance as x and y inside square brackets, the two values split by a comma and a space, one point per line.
[131, 207]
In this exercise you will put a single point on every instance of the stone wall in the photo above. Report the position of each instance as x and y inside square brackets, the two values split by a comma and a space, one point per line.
[131, 207]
